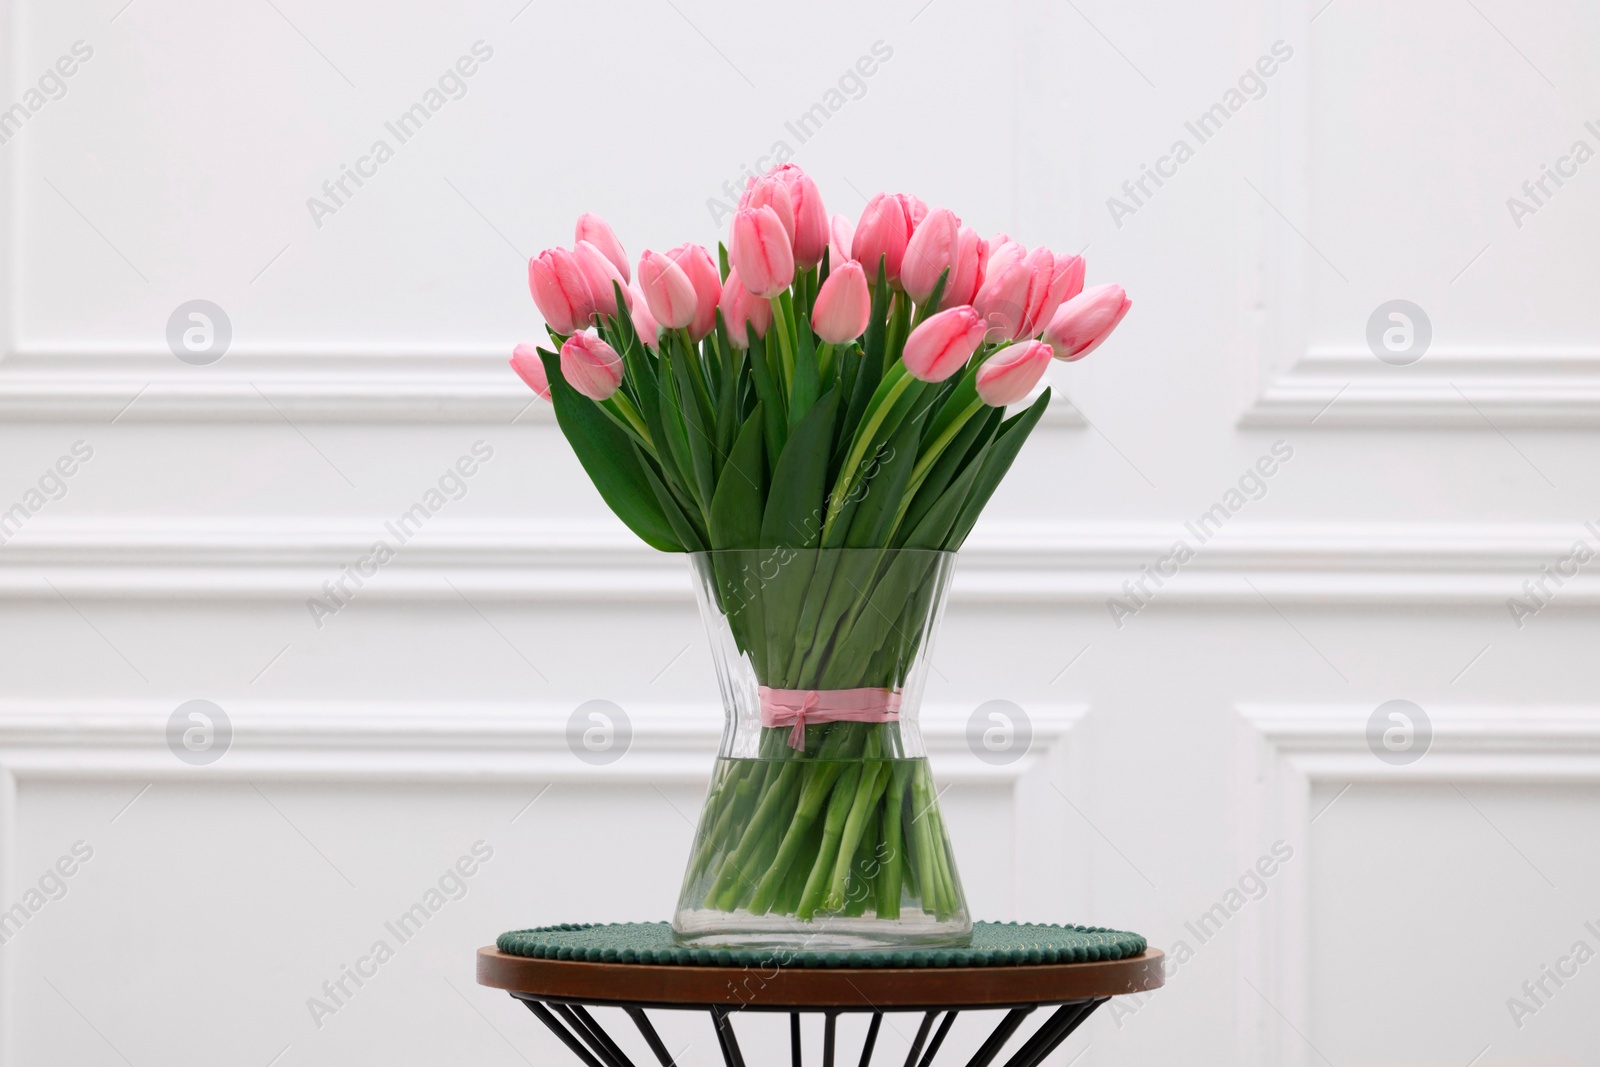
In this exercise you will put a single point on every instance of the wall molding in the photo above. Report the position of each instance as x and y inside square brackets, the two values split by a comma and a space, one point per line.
[430, 742]
[320, 383]
[1447, 389]
[114, 557]
[1282, 752]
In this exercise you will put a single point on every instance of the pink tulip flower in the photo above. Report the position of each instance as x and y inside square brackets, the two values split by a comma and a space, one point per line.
[598, 232]
[1002, 300]
[810, 217]
[559, 291]
[916, 210]
[943, 343]
[591, 366]
[667, 289]
[1037, 308]
[841, 235]
[530, 368]
[760, 250]
[702, 271]
[1004, 254]
[599, 275]
[740, 307]
[930, 252]
[882, 234]
[771, 191]
[972, 256]
[1011, 373]
[644, 323]
[843, 305]
[1081, 324]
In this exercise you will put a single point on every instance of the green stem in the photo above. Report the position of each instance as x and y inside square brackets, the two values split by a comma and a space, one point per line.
[820, 776]
[868, 792]
[889, 879]
[729, 883]
[832, 829]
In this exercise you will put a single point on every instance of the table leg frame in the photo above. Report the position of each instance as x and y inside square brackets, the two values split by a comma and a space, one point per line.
[576, 1028]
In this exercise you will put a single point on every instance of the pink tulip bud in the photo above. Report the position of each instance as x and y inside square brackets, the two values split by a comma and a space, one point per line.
[530, 368]
[843, 305]
[702, 271]
[943, 343]
[972, 255]
[559, 290]
[1002, 300]
[644, 323]
[841, 235]
[760, 250]
[882, 234]
[740, 306]
[1041, 265]
[1011, 373]
[667, 289]
[916, 210]
[810, 217]
[599, 275]
[930, 252]
[591, 366]
[1046, 294]
[1068, 279]
[1004, 254]
[1082, 323]
[771, 191]
[598, 232]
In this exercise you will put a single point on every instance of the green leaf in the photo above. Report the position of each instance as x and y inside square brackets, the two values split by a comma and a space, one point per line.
[676, 433]
[608, 457]
[696, 409]
[931, 305]
[777, 428]
[736, 508]
[806, 384]
[974, 435]
[682, 522]
[882, 492]
[996, 463]
[793, 515]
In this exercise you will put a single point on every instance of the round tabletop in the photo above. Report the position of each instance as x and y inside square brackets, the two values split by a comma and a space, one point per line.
[777, 988]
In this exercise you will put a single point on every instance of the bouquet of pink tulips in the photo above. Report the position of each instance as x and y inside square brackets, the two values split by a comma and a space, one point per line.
[831, 397]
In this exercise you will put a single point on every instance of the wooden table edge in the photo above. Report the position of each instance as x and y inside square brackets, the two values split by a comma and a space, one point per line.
[817, 987]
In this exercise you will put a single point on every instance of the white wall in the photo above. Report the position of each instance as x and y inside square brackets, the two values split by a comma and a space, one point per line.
[1171, 752]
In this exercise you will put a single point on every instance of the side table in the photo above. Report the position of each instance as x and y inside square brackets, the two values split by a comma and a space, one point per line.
[559, 972]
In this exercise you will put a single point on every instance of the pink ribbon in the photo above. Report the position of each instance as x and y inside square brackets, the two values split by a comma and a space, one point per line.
[797, 707]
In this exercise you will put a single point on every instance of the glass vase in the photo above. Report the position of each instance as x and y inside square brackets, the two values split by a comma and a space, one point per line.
[821, 827]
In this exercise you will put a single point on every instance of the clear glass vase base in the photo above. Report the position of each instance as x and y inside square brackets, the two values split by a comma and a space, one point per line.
[707, 928]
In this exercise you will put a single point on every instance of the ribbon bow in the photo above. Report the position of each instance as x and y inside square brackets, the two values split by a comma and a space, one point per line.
[797, 707]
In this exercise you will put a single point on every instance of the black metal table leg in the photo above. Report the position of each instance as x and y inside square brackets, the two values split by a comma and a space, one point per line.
[922, 1036]
[725, 1038]
[794, 1038]
[938, 1037]
[544, 1016]
[651, 1038]
[600, 1035]
[830, 1023]
[589, 1032]
[997, 1040]
[1055, 1030]
[872, 1039]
